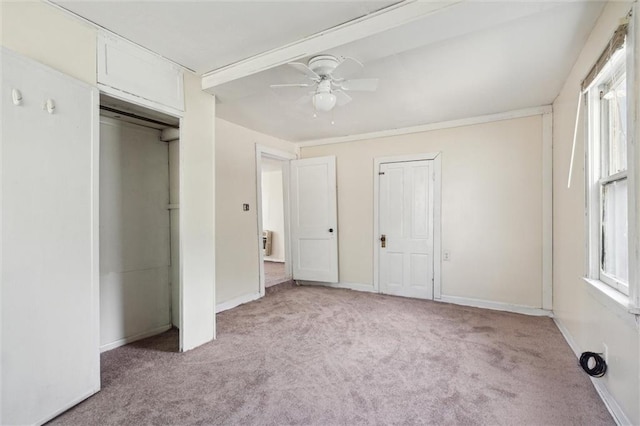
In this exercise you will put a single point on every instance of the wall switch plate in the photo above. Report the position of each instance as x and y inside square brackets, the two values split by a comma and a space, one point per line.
[245, 207]
[446, 255]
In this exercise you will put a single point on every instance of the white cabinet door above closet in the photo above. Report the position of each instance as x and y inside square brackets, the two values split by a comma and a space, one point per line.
[130, 69]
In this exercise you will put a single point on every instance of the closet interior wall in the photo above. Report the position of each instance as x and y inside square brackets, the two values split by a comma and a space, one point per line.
[139, 232]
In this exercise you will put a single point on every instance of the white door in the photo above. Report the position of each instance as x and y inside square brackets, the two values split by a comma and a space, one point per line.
[406, 229]
[49, 252]
[314, 231]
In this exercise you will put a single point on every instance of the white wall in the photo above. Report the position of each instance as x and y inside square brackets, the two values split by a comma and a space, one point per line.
[491, 207]
[237, 240]
[197, 215]
[273, 212]
[587, 320]
[51, 36]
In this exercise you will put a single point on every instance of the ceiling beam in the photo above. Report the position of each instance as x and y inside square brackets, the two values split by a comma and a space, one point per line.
[368, 25]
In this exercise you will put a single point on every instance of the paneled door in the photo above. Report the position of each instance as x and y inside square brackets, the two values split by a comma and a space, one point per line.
[406, 240]
[49, 233]
[314, 231]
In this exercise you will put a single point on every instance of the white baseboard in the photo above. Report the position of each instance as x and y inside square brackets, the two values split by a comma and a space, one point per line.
[496, 306]
[230, 304]
[131, 339]
[609, 401]
[349, 286]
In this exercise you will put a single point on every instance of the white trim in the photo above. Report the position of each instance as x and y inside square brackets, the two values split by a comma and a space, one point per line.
[285, 157]
[591, 159]
[373, 23]
[496, 306]
[213, 189]
[95, 233]
[609, 401]
[278, 154]
[135, 337]
[547, 211]
[181, 156]
[230, 304]
[481, 119]
[129, 97]
[633, 155]
[437, 215]
[367, 288]
[437, 228]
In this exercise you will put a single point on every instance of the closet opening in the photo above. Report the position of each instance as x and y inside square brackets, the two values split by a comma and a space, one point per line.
[139, 225]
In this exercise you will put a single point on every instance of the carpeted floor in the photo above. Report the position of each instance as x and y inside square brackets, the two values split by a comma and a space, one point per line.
[320, 356]
[274, 273]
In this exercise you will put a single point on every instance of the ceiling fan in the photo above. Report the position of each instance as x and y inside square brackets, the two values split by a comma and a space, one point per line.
[327, 76]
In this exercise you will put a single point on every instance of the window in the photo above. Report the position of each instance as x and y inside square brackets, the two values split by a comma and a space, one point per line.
[607, 189]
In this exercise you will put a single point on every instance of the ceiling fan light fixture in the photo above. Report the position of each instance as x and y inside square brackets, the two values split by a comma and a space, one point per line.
[324, 101]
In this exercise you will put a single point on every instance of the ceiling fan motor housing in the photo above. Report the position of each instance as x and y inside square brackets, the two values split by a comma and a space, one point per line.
[323, 65]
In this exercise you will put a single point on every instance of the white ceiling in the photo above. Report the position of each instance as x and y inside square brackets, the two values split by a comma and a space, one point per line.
[469, 59]
[208, 34]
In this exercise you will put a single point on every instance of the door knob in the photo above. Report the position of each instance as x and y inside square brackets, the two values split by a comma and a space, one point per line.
[383, 241]
[330, 229]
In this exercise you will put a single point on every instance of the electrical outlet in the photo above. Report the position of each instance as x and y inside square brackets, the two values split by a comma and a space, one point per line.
[605, 353]
[446, 255]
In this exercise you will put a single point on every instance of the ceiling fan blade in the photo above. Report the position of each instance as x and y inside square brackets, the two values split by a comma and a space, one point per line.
[305, 70]
[347, 67]
[361, 84]
[276, 86]
[341, 97]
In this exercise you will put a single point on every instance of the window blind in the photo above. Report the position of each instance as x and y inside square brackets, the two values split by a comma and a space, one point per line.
[616, 42]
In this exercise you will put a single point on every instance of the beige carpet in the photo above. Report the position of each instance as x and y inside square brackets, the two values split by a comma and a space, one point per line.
[319, 356]
[274, 273]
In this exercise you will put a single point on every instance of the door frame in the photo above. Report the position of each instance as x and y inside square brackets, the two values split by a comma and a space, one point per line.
[437, 215]
[284, 156]
[138, 101]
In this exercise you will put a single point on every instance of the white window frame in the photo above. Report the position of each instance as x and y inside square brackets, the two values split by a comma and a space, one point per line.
[595, 183]
[609, 295]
